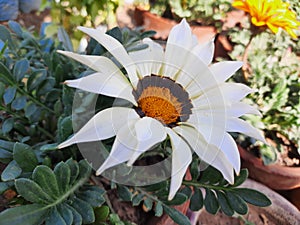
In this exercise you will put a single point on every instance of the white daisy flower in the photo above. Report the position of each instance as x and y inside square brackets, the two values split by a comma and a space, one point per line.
[176, 93]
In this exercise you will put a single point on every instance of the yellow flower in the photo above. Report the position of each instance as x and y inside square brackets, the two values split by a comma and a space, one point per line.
[272, 13]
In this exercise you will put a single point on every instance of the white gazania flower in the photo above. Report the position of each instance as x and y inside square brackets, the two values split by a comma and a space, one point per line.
[176, 93]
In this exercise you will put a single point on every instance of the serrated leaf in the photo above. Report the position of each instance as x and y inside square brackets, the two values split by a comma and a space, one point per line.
[25, 157]
[11, 171]
[8, 125]
[158, 209]
[54, 218]
[26, 214]
[46, 179]
[136, 200]
[84, 209]
[176, 216]
[196, 202]
[32, 192]
[20, 69]
[19, 103]
[124, 193]
[224, 203]
[237, 203]
[210, 202]
[253, 197]
[241, 178]
[9, 95]
[147, 205]
[63, 175]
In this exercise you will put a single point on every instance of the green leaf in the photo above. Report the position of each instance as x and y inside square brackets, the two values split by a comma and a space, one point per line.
[241, 178]
[8, 125]
[15, 27]
[84, 169]
[176, 216]
[45, 86]
[25, 157]
[77, 218]
[211, 175]
[94, 198]
[158, 209]
[84, 209]
[116, 33]
[74, 170]
[253, 197]
[224, 203]
[30, 110]
[32, 192]
[19, 103]
[11, 172]
[124, 193]
[64, 38]
[4, 186]
[5, 72]
[26, 214]
[66, 213]
[6, 149]
[63, 175]
[6, 36]
[136, 200]
[20, 69]
[65, 127]
[148, 204]
[196, 202]
[210, 202]
[101, 214]
[178, 199]
[9, 95]
[156, 187]
[148, 33]
[194, 168]
[35, 79]
[237, 203]
[55, 218]
[46, 179]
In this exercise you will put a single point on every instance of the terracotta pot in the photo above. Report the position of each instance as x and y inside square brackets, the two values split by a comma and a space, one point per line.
[163, 26]
[280, 212]
[274, 176]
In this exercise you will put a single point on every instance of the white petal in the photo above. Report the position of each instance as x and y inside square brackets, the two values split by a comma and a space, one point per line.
[241, 126]
[222, 94]
[205, 52]
[103, 125]
[179, 44]
[209, 153]
[224, 70]
[123, 147]
[181, 159]
[149, 60]
[116, 49]
[240, 108]
[97, 63]
[113, 85]
[149, 132]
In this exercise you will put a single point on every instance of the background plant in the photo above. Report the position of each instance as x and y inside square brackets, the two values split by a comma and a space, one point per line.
[56, 187]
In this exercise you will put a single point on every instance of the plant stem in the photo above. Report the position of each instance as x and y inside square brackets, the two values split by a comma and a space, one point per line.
[245, 67]
[195, 184]
[107, 200]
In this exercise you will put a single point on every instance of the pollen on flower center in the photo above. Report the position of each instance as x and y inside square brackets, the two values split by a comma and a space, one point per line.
[163, 99]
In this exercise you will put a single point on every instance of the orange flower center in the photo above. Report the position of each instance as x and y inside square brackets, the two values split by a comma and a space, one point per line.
[163, 99]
